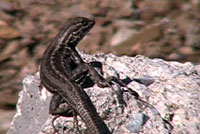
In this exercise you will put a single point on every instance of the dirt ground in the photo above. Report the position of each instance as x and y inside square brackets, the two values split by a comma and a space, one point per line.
[158, 29]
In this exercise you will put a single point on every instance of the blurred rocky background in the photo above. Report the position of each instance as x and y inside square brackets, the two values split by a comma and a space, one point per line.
[163, 29]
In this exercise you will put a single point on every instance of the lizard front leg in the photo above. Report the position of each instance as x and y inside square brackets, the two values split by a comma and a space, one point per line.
[97, 78]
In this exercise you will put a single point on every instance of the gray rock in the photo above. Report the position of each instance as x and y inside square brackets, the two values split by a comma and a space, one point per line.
[169, 99]
[32, 108]
[135, 123]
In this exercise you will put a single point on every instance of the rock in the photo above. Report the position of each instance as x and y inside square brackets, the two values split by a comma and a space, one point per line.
[136, 122]
[124, 40]
[169, 99]
[121, 35]
[32, 108]
[7, 32]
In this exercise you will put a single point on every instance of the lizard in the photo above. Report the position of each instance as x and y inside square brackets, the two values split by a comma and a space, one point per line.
[60, 70]
[61, 65]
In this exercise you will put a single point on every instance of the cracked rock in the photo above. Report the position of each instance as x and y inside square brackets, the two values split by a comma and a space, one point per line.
[169, 99]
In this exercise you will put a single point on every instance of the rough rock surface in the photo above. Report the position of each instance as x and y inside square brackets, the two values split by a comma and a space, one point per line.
[171, 90]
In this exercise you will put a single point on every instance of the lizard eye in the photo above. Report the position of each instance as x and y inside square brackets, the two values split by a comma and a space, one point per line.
[85, 23]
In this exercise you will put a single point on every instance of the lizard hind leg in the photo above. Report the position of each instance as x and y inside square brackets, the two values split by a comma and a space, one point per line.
[75, 122]
[59, 107]
[52, 124]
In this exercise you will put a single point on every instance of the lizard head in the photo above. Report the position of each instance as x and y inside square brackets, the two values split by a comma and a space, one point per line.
[76, 29]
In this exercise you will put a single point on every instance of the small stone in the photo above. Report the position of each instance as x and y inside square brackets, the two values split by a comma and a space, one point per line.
[135, 123]
[146, 80]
